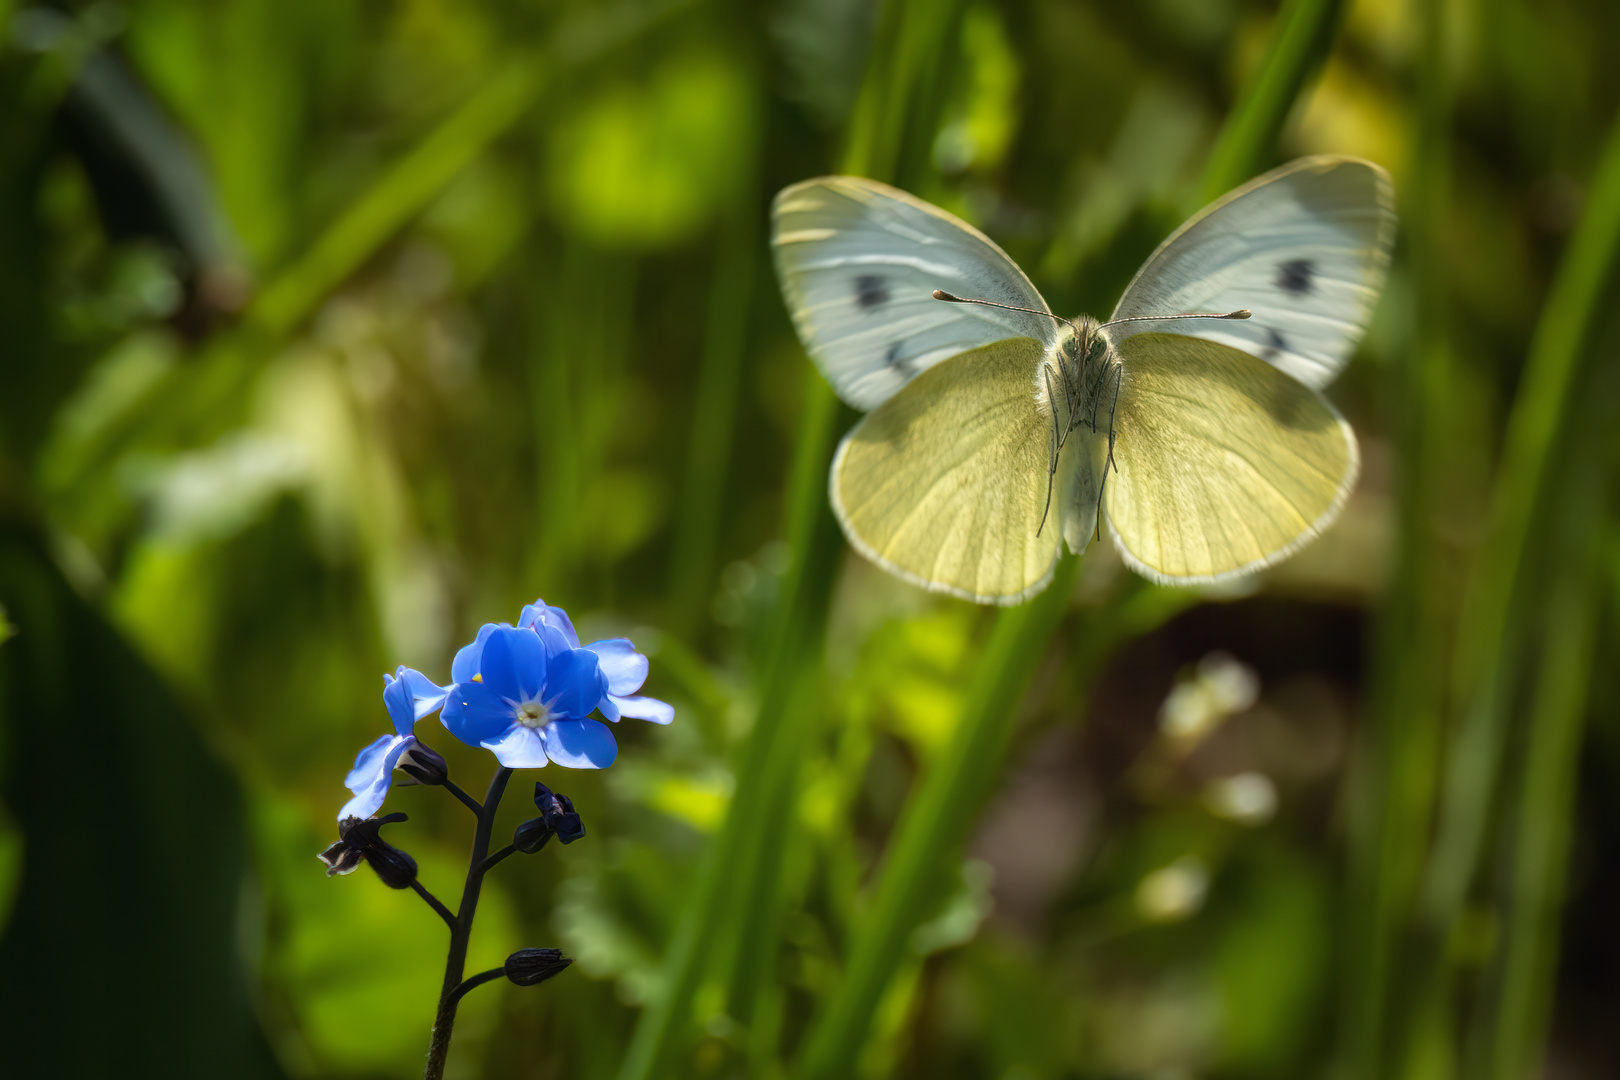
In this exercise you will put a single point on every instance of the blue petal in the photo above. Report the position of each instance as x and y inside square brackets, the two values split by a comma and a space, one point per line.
[397, 696]
[515, 664]
[466, 663]
[554, 640]
[581, 744]
[370, 795]
[574, 684]
[366, 761]
[625, 668]
[519, 748]
[644, 708]
[541, 613]
[426, 695]
[609, 709]
[475, 713]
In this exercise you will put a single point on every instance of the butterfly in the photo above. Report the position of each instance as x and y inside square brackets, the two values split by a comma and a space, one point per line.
[996, 431]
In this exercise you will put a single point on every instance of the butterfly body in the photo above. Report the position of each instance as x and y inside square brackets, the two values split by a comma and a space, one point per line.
[998, 432]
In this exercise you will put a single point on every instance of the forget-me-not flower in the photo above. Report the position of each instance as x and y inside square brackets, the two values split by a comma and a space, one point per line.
[409, 696]
[625, 668]
[526, 692]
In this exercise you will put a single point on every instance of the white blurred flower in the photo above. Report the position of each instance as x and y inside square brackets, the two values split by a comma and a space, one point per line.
[1173, 892]
[1220, 687]
[1248, 798]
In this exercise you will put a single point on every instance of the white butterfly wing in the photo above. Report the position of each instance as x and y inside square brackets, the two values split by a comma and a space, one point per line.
[1304, 248]
[859, 262]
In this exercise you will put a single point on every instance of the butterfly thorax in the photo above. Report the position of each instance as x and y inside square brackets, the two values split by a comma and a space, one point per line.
[1075, 384]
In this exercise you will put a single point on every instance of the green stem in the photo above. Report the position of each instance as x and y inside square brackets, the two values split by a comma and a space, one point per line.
[1487, 669]
[1511, 1041]
[1304, 33]
[708, 457]
[933, 824]
[1394, 779]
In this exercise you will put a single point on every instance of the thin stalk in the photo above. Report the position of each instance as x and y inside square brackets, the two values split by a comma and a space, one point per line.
[436, 904]
[1488, 667]
[407, 188]
[1511, 1042]
[1302, 37]
[1394, 782]
[714, 414]
[936, 818]
[472, 982]
[466, 800]
[736, 873]
[461, 929]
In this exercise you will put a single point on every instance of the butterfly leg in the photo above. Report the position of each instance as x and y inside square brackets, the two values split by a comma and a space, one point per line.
[1057, 446]
[1119, 377]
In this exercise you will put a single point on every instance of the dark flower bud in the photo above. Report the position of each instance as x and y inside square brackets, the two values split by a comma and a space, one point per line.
[557, 811]
[360, 840]
[529, 966]
[423, 765]
[531, 836]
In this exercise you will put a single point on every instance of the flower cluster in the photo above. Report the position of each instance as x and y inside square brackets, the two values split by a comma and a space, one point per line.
[526, 693]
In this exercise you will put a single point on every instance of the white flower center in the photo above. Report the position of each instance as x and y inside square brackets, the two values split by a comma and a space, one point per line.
[532, 714]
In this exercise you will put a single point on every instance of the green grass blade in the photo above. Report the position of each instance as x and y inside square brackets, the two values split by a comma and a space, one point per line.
[398, 196]
[1394, 779]
[708, 456]
[1303, 35]
[937, 817]
[1487, 663]
[1513, 1037]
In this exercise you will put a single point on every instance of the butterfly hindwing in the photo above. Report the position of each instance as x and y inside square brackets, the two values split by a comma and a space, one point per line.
[859, 262]
[1304, 248]
[946, 482]
[1225, 465]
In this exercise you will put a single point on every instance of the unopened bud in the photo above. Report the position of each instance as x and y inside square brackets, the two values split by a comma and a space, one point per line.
[360, 840]
[529, 966]
[557, 811]
[531, 836]
[423, 764]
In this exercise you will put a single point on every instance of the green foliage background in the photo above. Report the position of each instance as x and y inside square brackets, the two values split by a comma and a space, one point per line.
[330, 331]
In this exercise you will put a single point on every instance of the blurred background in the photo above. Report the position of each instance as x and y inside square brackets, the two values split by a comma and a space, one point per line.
[329, 331]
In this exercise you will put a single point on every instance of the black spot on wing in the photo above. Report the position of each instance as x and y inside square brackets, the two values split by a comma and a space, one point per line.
[871, 291]
[1296, 277]
[1276, 345]
[900, 363]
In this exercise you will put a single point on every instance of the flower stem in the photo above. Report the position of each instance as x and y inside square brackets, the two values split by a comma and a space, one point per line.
[467, 800]
[436, 904]
[461, 929]
[476, 980]
[489, 863]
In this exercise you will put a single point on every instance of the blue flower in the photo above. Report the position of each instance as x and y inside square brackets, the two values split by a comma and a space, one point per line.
[528, 699]
[625, 668]
[409, 696]
[526, 692]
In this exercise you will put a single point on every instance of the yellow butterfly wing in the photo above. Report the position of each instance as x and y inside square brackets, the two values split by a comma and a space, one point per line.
[944, 484]
[1225, 464]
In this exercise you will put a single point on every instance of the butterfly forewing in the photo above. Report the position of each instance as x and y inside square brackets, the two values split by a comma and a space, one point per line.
[1304, 248]
[859, 262]
[1225, 465]
[945, 483]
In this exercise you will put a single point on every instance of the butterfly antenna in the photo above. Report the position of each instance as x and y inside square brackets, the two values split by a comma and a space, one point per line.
[1242, 313]
[950, 298]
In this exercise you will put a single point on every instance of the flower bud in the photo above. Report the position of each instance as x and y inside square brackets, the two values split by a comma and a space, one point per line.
[360, 840]
[531, 836]
[423, 764]
[529, 966]
[557, 811]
